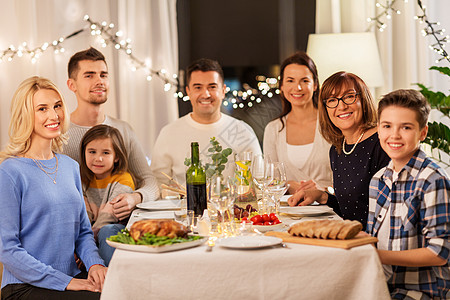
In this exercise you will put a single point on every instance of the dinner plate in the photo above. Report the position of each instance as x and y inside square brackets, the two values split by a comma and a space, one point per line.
[265, 228]
[306, 210]
[160, 205]
[156, 249]
[248, 242]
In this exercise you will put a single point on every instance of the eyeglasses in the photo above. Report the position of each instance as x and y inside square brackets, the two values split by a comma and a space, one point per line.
[347, 99]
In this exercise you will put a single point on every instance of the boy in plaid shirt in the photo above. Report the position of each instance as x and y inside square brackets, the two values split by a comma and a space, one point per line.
[409, 208]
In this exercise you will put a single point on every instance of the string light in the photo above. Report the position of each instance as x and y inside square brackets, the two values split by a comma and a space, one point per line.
[239, 99]
[439, 45]
[106, 35]
[437, 34]
[387, 10]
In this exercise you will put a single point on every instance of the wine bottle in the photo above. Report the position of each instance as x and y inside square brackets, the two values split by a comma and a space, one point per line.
[196, 183]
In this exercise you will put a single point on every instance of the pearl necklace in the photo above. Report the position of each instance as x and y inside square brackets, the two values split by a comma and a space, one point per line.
[43, 167]
[354, 146]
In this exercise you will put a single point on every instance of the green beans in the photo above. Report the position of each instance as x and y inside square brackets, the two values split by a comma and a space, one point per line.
[150, 239]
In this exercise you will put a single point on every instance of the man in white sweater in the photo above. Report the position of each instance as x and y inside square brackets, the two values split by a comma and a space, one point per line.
[88, 79]
[206, 90]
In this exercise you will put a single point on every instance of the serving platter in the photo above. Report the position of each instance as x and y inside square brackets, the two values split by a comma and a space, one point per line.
[359, 240]
[157, 249]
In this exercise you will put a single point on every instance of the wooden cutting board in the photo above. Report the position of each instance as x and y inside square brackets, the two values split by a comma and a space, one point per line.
[345, 244]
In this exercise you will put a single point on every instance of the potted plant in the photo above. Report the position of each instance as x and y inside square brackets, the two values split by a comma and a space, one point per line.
[438, 137]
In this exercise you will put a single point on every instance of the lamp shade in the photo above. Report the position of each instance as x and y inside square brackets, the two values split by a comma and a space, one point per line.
[351, 52]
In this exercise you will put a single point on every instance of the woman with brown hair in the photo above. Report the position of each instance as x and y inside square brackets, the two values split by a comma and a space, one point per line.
[348, 121]
[294, 138]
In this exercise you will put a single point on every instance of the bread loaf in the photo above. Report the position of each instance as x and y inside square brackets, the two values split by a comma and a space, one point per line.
[326, 229]
[168, 228]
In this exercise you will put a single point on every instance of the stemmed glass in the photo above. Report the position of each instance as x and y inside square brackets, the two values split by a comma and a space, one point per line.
[260, 175]
[222, 196]
[276, 187]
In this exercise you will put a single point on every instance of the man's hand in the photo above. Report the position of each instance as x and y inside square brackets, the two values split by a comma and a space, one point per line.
[307, 197]
[96, 276]
[124, 204]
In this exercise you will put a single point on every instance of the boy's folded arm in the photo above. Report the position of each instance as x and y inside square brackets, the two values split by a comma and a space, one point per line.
[421, 257]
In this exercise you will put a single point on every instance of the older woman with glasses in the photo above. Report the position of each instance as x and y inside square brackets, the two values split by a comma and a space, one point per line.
[348, 121]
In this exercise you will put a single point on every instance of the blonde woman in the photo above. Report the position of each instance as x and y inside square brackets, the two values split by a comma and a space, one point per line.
[43, 219]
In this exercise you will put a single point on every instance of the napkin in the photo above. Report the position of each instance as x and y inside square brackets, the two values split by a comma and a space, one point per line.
[204, 224]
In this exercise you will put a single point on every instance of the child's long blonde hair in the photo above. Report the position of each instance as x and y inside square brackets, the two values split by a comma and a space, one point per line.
[21, 125]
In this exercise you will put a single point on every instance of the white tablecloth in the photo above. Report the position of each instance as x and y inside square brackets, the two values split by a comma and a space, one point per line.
[301, 272]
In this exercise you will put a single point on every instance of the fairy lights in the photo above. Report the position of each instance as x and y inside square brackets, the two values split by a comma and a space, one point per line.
[239, 99]
[387, 10]
[106, 35]
[437, 34]
[430, 30]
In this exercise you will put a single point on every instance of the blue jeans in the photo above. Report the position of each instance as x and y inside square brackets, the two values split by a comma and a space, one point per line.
[105, 250]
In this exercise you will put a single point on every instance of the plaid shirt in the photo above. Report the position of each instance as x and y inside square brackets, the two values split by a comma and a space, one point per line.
[420, 218]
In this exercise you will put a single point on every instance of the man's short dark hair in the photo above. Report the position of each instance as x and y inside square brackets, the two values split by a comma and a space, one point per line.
[407, 98]
[88, 54]
[204, 65]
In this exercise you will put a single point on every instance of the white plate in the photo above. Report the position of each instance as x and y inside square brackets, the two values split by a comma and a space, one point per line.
[156, 249]
[265, 228]
[249, 242]
[284, 200]
[169, 214]
[306, 210]
[160, 205]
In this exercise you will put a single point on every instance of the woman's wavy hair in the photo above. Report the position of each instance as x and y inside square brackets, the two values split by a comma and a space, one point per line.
[302, 59]
[103, 131]
[21, 125]
[333, 86]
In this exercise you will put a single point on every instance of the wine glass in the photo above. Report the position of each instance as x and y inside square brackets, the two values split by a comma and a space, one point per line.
[276, 187]
[259, 174]
[222, 195]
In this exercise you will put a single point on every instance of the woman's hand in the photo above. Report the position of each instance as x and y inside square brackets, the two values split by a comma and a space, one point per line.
[307, 197]
[77, 284]
[295, 186]
[96, 276]
[124, 204]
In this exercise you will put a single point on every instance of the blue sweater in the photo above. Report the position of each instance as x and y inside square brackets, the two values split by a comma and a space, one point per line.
[42, 224]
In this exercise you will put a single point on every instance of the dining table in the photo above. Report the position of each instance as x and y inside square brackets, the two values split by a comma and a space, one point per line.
[295, 271]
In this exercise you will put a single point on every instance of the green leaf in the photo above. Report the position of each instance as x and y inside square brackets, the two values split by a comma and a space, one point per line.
[187, 161]
[216, 156]
[443, 70]
[227, 151]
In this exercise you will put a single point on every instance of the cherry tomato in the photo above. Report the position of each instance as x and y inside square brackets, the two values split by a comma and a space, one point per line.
[259, 223]
[266, 218]
[244, 219]
[273, 217]
[267, 223]
[256, 219]
[276, 222]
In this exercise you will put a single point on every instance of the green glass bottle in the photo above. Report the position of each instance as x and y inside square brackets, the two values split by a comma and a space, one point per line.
[196, 183]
